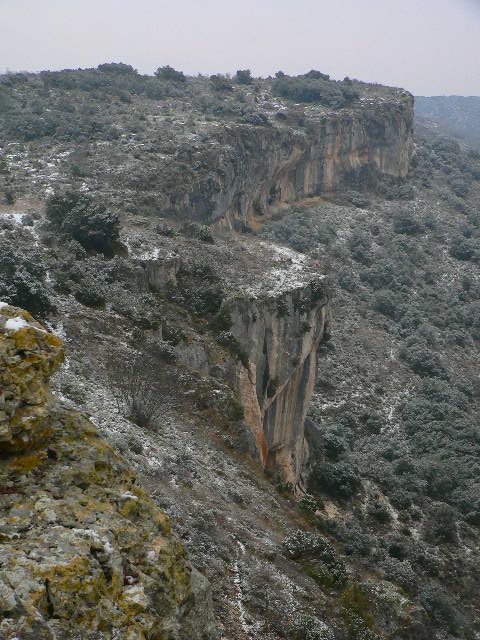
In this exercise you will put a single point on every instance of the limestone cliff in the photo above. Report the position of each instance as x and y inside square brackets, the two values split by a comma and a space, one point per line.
[83, 549]
[277, 308]
[257, 169]
[281, 335]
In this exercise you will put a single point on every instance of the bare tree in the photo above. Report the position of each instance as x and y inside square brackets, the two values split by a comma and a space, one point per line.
[142, 387]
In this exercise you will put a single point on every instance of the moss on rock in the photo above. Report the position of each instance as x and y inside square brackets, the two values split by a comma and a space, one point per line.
[83, 547]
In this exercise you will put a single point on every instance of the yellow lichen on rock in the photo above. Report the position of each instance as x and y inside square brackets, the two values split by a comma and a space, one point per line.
[82, 547]
[28, 357]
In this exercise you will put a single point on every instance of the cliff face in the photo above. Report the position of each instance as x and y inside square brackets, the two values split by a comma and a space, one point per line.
[281, 335]
[277, 306]
[260, 168]
[83, 549]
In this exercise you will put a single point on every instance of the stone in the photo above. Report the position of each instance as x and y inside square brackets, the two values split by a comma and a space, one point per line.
[83, 548]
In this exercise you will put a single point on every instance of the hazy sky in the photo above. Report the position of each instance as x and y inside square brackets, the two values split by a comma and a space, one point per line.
[427, 46]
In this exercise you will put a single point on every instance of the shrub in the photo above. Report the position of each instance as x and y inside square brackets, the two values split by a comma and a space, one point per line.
[401, 573]
[272, 387]
[308, 503]
[75, 214]
[171, 334]
[232, 409]
[227, 339]
[338, 479]
[305, 544]
[117, 68]
[379, 511]
[200, 231]
[169, 73]
[22, 277]
[334, 444]
[406, 223]
[9, 196]
[360, 246]
[205, 234]
[162, 350]
[465, 248]
[220, 83]
[142, 389]
[88, 294]
[317, 555]
[441, 609]
[306, 627]
[441, 524]
[313, 87]
[243, 76]
[423, 360]
[387, 304]
[222, 321]
[164, 229]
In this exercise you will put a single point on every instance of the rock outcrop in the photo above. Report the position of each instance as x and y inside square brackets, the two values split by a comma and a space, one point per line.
[83, 549]
[259, 168]
[277, 308]
[280, 334]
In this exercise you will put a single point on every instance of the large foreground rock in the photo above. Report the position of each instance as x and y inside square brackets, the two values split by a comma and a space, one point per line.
[83, 551]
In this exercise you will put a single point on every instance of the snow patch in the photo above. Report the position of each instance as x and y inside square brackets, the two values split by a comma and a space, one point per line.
[13, 324]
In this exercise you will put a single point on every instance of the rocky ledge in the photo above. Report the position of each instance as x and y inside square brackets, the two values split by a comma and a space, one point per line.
[84, 553]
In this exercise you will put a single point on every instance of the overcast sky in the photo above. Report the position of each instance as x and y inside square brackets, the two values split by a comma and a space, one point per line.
[430, 47]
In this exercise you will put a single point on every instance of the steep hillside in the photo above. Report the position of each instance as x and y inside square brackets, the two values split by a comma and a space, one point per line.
[394, 419]
[194, 347]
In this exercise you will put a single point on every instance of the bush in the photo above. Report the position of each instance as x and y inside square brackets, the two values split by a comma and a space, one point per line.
[317, 556]
[22, 277]
[314, 87]
[441, 524]
[169, 73]
[142, 389]
[244, 76]
[200, 231]
[338, 479]
[88, 294]
[164, 229]
[305, 544]
[75, 214]
[423, 360]
[306, 627]
[117, 68]
[441, 609]
[463, 248]
[405, 222]
[205, 234]
[9, 196]
[220, 83]
[162, 350]
[387, 304]
[379, 511]
[401, 573]
[227, 339]
[360, 246]
[308, 503]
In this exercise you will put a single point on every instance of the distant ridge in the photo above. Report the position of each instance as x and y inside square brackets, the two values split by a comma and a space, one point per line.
[459, 116]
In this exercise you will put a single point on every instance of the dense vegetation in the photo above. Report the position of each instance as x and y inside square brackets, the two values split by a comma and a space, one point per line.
[315, 86]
